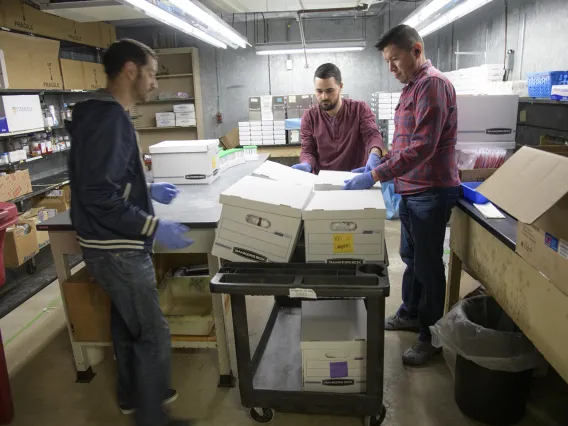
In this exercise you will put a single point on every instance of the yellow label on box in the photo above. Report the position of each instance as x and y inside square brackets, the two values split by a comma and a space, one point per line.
[214, 163]
[343, 243]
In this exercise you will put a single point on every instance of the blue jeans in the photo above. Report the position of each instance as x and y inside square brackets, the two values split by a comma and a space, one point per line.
[140, 333]
[423, 219]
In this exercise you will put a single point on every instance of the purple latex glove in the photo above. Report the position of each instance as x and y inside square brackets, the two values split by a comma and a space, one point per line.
[372, 163]
[171, 235]
[304, 167]
[361, 181]
[163, 193]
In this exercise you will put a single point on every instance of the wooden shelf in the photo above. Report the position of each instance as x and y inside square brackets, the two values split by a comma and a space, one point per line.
[169, 101]
[159, 77]
[167, 128]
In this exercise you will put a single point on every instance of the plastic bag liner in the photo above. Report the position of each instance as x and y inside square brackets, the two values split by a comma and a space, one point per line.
[392, 200]
[479, 330]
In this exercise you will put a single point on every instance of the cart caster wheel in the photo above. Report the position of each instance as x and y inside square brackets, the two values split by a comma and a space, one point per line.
[262, 415]
[376, 420]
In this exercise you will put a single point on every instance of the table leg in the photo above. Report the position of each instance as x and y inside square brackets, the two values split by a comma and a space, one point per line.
[83, 366]
[454, 279]
[226, 378]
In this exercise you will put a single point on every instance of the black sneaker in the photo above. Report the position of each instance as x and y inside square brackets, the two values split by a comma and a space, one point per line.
[397, 322]
[171, 396]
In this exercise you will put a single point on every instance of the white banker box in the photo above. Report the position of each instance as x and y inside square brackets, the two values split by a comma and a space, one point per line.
[487, 118]
[330, 180]
[334, 347]
[281, 173]
[260, 220]
[185, 162]
[345, 226]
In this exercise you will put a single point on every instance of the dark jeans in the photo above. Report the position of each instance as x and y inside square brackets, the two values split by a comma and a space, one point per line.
[423, 219]
[140, 332]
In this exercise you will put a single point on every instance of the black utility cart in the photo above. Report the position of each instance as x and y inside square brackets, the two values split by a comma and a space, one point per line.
[271, 379]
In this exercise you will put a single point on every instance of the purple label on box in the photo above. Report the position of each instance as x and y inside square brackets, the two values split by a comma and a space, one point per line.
[338, 370]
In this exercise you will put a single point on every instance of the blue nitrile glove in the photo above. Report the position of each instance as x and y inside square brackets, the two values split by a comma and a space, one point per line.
[171, 235]
[373, 162]
[304, 167]
[361, 181]
[163, 192]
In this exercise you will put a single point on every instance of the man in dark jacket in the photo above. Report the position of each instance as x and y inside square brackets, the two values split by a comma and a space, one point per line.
[111, 210]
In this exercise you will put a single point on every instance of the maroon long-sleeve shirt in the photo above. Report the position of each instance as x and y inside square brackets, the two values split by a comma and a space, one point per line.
[340, 143]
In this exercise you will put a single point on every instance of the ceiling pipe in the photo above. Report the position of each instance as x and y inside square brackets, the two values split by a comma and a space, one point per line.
[360, 8]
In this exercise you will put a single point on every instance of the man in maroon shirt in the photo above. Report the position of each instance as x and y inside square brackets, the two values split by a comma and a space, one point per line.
[422, 163]
[339, 134]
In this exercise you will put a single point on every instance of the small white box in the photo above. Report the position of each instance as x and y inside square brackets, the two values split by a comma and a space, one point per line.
[165, 119]
[345, 226]
[280, 125]
[385, 96]
[256, 133]
[334, 346]
[255, 123]
[331, 180]
[184, 108]
[256, 138]
[487, 118]
[185, 162]
[260, 220]
[281, 173]
[185, 115]
[244, 123]
[186, 122]
[268, 133]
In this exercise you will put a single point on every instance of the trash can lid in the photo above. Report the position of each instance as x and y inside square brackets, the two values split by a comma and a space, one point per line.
[8, 215]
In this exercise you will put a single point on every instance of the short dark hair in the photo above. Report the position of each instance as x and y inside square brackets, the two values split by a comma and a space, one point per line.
[402, 36]
[123, 51]
[326, 71]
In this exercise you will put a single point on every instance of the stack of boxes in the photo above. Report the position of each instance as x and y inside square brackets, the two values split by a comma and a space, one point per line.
[264, 132]
[183, 115]
[250, 132]
[383, 106]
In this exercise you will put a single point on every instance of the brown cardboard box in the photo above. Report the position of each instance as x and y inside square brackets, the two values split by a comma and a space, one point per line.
[21, 16]
[108, 34]
[94, 76]
[20, 246]
[88, 33]
[58, 199]
[31, 62]
[475, 175]
[73, 77]
[231, 139]
[533, 187]
[39, 215]
[88, 308]
[15, 185]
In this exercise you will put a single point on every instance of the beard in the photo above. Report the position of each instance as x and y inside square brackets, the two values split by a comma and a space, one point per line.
[328, 106]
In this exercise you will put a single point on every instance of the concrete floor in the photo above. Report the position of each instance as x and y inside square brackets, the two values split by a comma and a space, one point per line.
[45, 393]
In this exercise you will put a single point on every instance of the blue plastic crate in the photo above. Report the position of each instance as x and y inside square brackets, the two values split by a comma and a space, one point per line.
[470, 192]
[540, 83]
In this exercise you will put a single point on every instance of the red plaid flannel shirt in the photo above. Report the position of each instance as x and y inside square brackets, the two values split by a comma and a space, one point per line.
[423, 153]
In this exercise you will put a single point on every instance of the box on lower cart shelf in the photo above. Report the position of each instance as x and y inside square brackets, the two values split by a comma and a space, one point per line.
[20, 243]
[185, 162]
[260, 220]
[186, 302]
[330, 180]
[345, 227]
[334, 347]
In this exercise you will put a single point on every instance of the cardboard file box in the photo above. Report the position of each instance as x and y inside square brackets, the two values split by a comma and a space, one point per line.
[334, 347]
[185, 162]
[260, 220]
[281, 173]
[345, 227]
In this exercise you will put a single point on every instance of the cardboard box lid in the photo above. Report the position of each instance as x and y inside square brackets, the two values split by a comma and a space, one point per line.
[528, 184]
[175, 147]
[335, 178]
[333, 321]
[346, 205]
[231, 139]
[279, 172]
[281, 198]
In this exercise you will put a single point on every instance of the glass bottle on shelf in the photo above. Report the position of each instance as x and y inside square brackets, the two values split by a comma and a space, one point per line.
[47, 119]
[63, 114]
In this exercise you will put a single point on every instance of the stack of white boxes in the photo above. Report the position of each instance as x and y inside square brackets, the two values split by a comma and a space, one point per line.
[266, 132]
[383, 105]
[345, 226]
[260, 220]
[334, 347]
[185, 115]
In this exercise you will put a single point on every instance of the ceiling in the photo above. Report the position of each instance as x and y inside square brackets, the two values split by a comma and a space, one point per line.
[242, 6]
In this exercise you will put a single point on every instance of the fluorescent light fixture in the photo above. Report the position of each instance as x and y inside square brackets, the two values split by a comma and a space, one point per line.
[173, 21]
[211, 21]
[452, 15]
[424, 12]
[298, 49]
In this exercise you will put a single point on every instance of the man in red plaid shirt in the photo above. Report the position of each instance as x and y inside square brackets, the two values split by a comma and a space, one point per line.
[423, 165]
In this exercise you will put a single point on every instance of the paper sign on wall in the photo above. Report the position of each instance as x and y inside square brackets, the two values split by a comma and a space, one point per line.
[343, 243]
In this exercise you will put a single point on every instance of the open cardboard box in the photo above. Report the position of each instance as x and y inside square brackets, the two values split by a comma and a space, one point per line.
[20, 243]
[533, 187]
